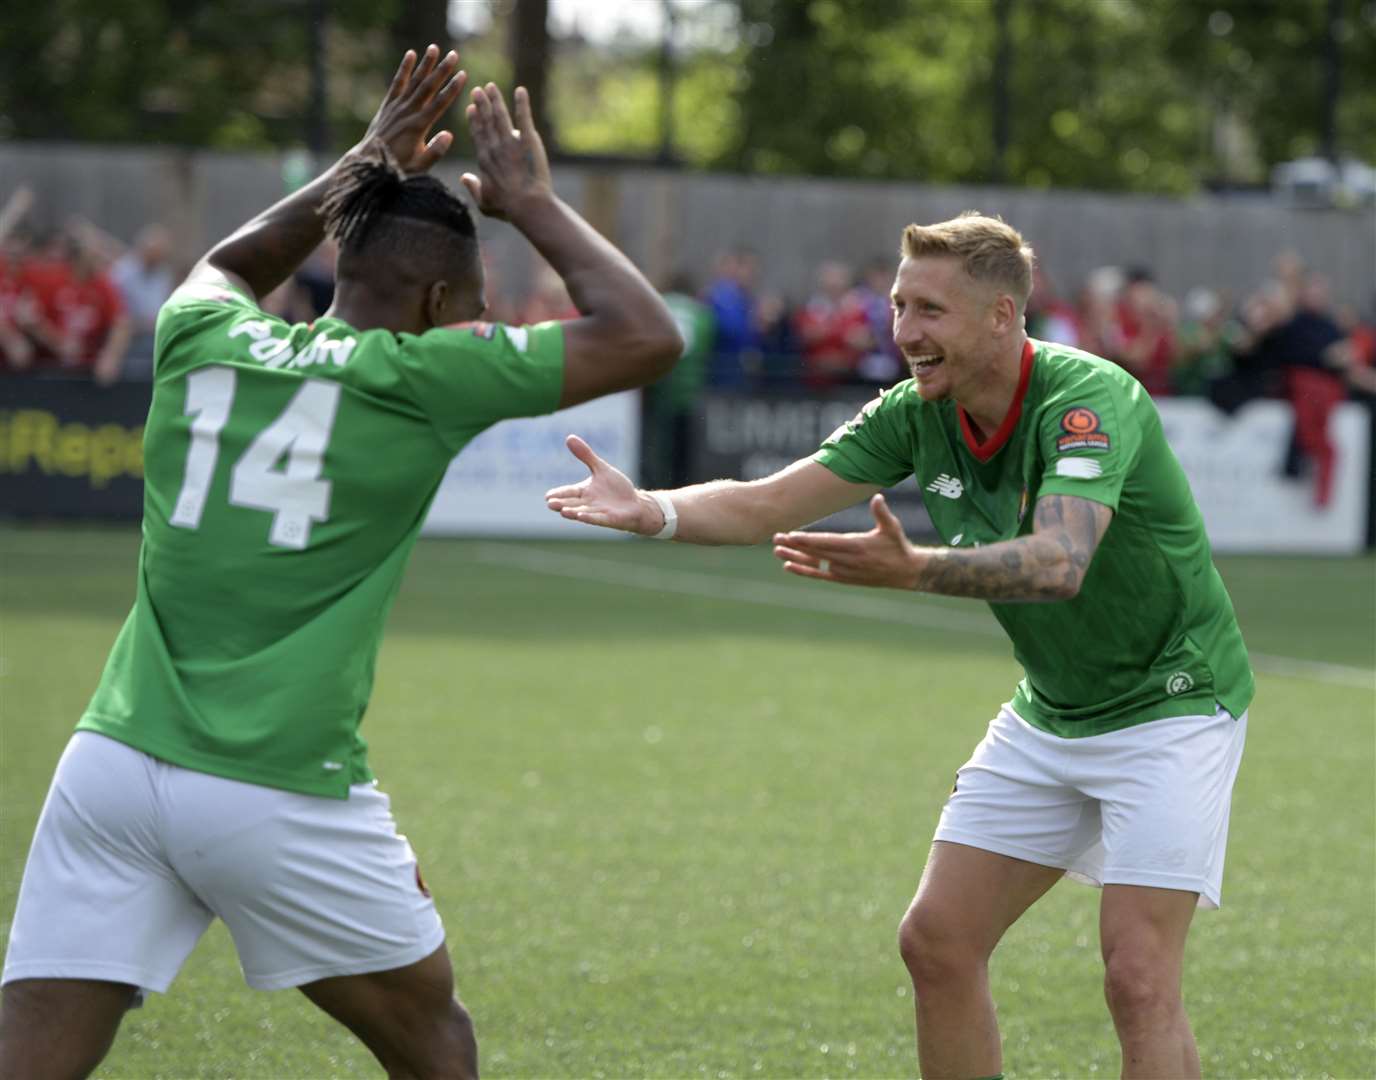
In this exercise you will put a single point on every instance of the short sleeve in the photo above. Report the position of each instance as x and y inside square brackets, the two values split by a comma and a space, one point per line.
[469, 377]
[194, 308]
[875, 447]
[1089, 436]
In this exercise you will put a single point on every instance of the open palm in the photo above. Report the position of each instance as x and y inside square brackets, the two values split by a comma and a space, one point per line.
[607, 497]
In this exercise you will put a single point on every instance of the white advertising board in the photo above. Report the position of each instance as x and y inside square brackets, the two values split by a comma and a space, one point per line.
[1235, 467]
[496, 487]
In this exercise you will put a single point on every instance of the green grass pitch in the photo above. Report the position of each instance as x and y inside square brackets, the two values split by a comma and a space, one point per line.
[672, 804]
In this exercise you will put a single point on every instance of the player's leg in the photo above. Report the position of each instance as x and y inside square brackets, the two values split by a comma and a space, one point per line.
[408, 1017]
[324, 895]
[1007, 830]
[967, 899]
[1142, 933]
[56, 1029]
[1165, 789]
[99, 914]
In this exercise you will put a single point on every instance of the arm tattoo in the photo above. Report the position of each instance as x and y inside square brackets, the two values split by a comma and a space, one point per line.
[1049, 564]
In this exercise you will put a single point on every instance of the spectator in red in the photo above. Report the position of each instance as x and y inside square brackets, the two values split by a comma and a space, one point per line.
[1357, 357]
[16, 350]
[833, 330]
[1307, 347]
[80, 320]
[1146, 322]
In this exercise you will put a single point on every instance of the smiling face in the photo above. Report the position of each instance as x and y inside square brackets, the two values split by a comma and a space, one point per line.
[947, 325]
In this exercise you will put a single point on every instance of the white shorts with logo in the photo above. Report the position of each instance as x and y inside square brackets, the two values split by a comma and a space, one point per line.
[133, 858]
[1146, 805]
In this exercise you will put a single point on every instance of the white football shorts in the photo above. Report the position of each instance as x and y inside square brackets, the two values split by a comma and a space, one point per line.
[133, 857]
[1146, 805]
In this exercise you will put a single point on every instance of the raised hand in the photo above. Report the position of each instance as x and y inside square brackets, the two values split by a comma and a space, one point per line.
[512, 164]
[607, 497]
[882, 557]
[420, 93]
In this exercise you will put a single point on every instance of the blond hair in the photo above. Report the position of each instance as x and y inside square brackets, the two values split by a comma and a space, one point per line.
[990, 250]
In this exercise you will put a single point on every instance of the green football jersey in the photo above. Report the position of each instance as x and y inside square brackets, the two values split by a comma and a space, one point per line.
[287, 472]
[1151, 633]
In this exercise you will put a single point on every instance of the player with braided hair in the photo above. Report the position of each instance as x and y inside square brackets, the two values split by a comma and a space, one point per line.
[218, 770]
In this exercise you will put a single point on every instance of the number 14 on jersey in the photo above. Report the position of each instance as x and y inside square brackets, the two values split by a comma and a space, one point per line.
[295, 495]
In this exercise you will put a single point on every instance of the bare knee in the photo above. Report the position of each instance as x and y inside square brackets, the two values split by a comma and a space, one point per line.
[934, 950]
[436, 1042]
[456, 1043]
[1140, 990]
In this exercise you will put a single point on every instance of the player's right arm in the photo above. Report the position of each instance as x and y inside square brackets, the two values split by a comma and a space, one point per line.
[719, 512]
[625, 336]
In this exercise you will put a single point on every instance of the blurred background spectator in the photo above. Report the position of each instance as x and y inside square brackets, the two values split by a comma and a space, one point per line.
[731, 296]
[1049, 318]
[1145, 340]
[669, 405]
[882, 364]
[833, 330]
[145, 278]
[78, 320]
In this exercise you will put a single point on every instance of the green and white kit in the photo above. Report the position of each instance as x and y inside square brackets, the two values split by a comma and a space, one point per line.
[288, 470]
[1152, 633]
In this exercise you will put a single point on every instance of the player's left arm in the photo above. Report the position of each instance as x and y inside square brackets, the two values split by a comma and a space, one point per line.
[1048, 564]
[262, 253]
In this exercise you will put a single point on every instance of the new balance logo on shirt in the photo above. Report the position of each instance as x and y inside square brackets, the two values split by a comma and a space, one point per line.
[947, 485]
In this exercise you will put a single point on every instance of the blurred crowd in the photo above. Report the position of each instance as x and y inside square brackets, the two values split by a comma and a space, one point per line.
[77, 301]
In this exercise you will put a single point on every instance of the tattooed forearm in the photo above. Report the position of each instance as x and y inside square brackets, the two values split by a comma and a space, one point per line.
[1050, 564]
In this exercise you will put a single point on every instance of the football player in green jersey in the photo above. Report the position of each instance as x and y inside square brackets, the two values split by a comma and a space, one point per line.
[1058, 501]
[218, 770]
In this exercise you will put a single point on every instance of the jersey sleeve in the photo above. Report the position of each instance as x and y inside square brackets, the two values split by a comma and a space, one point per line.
[875, 447]
[1088, 436]
[469, 377]
[194, 308]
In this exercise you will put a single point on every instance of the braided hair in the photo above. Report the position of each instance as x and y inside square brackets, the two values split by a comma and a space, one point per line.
[370, 187]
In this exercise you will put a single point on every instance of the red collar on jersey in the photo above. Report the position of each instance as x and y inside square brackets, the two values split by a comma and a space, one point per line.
[983, 451]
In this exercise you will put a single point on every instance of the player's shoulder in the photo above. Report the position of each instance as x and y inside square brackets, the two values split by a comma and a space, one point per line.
[1063, 369]
[477, 337]
[901, 396]
[197, 303]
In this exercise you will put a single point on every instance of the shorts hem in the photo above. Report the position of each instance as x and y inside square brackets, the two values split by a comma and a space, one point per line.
[300, 976]
[85, 969]
[1000, 847]
[1210, 898]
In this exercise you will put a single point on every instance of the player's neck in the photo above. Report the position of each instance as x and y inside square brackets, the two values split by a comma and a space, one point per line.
[988, 401]
[364, 309]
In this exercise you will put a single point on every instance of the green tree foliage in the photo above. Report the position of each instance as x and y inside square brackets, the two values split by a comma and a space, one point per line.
[1127, 94]
[1147, 95]
[195, 72]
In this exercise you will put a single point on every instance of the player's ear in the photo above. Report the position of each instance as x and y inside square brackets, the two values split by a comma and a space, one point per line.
[436, 304]
[1005, 314]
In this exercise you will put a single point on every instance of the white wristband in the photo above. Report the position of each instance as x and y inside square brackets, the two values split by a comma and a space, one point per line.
[666, 507]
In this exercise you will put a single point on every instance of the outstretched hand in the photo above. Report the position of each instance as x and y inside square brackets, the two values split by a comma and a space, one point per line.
[607, 497]
[882, 557]
[421, 91]
[512, 164]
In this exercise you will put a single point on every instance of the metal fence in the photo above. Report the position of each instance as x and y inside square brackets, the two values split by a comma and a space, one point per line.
[670, 220]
